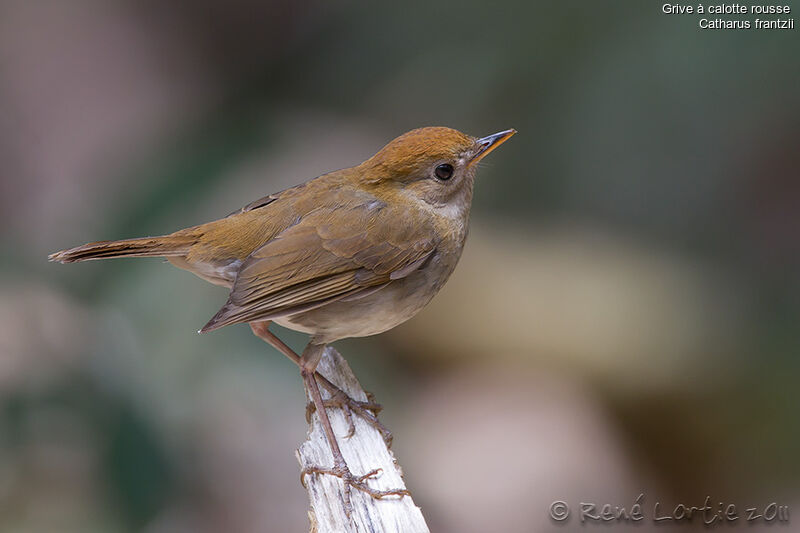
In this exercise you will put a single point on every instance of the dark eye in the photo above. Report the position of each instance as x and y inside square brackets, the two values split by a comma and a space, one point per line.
[444, 171]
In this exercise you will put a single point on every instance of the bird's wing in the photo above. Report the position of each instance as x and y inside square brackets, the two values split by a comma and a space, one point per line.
[330, 254]
[256, 204]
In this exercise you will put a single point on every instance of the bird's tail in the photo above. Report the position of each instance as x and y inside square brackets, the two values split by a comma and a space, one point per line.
[165, 246]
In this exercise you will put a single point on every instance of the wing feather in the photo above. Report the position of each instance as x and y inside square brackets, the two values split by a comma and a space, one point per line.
[315, 262]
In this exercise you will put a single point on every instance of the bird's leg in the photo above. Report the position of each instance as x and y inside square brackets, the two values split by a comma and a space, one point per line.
[367, 410]
[308, 364]
[340, 399]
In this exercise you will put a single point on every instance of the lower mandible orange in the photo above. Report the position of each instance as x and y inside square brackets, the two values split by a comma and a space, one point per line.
[348, 254]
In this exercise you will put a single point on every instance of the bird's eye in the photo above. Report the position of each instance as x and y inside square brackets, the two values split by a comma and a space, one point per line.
[444, 171]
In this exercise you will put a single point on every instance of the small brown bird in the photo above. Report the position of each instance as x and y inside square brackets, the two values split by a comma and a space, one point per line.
[348, 254]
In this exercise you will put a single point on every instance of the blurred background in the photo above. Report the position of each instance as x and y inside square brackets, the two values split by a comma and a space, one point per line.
[624, 319]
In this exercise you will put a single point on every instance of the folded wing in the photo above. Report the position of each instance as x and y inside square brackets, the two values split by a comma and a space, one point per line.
[329, 254]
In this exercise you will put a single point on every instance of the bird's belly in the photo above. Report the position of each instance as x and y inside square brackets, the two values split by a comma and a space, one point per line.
[372, 314]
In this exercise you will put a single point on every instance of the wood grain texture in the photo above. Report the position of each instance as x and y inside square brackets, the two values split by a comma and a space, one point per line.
[364, 451]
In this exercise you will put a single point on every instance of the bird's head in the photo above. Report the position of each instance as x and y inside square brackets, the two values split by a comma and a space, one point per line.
[436, 165]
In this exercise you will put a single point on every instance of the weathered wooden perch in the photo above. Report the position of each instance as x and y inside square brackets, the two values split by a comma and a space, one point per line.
[364, 451]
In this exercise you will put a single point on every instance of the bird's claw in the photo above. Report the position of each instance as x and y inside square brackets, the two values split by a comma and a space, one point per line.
[353, 482]
[367, 410]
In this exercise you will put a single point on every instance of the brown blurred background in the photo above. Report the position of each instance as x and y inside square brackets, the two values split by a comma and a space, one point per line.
[624, 318]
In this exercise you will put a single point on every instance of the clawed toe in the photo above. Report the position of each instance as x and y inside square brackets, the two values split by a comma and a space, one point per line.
[353, 482]
[367, 410]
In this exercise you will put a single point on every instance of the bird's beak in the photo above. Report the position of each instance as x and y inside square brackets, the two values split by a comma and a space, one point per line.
[489, 143]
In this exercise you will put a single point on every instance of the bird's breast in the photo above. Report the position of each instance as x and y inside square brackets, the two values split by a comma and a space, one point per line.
[379, 311]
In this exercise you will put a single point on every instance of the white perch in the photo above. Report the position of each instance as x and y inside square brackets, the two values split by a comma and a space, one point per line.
[364, 451]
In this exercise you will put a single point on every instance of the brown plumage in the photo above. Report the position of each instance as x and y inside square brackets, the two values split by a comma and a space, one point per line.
[348, 254]
[335, 237]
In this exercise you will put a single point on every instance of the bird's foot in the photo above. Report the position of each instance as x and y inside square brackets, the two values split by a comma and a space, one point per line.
[367, 410]
[342, 471]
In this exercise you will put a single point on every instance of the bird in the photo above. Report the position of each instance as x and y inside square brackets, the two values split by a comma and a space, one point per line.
[351, 253]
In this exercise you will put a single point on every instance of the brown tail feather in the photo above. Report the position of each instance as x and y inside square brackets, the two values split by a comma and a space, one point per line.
[166, 246]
